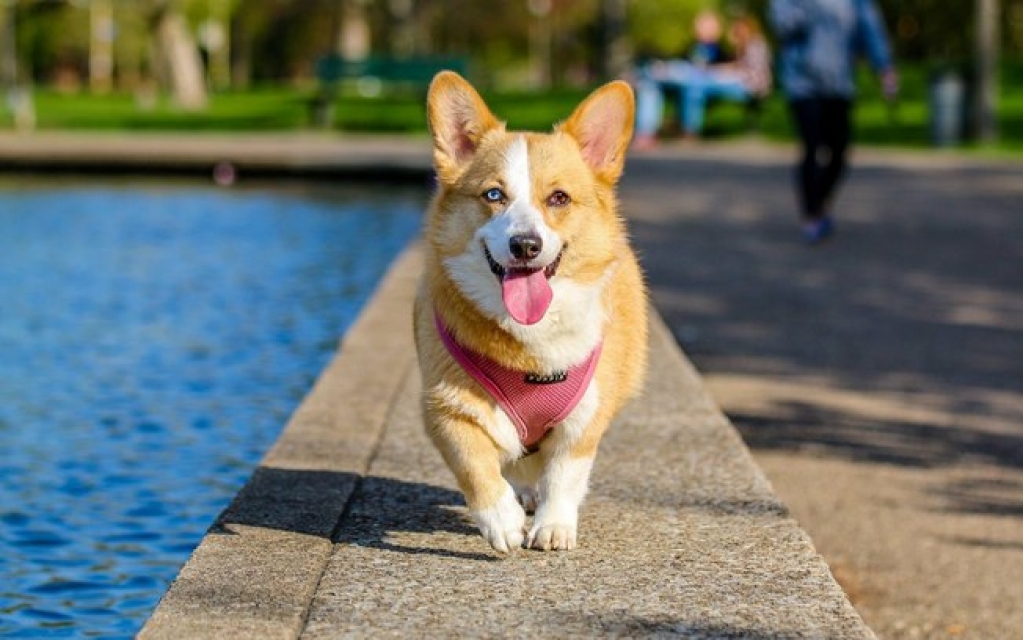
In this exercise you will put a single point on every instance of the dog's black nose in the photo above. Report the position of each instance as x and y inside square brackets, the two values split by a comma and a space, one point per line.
[525, 246]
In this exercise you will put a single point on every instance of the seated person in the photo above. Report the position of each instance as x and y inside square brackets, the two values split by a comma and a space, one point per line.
[747, 77]
[707, 49]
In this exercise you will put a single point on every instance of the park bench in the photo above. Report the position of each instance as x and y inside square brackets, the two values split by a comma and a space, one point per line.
[373, 76]
[752, 109]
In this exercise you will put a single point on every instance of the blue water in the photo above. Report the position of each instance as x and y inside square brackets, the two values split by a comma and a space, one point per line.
[153, 342]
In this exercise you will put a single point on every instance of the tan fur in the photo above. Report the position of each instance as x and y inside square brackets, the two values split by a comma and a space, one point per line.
[580, 157]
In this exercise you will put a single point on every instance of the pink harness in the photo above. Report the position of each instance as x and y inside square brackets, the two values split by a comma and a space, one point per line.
[535, 403]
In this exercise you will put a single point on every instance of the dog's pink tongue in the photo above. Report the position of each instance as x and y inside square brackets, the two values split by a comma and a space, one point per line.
[526, 295]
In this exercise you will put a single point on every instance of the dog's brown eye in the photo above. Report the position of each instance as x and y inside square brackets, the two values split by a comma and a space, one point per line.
[558, 199]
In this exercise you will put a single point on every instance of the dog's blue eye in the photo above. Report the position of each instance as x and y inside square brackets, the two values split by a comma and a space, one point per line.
[493, 195]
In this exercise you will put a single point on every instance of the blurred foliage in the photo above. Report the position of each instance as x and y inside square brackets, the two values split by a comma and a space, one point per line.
[663, 29]
[288, 109]
[275, 40]
[279, 40]
[940, 31]
[53, 40]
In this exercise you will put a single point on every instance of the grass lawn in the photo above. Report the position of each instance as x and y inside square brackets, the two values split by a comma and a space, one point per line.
[903, 124]
[275, 109]
[288, 109]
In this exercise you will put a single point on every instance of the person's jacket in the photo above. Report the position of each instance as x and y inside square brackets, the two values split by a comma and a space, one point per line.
[820, 41]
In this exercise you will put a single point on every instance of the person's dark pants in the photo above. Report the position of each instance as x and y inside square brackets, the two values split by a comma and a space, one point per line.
[824, 129]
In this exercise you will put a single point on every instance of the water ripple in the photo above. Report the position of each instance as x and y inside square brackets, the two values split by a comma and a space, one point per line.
[153, 341]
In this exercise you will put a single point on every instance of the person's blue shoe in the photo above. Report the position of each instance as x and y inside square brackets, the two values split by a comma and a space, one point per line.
[819, 230]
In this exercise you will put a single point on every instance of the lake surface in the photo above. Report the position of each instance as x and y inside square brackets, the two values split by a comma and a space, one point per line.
[153, 342]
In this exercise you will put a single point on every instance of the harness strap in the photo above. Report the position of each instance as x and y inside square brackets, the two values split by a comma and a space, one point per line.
[535, 403]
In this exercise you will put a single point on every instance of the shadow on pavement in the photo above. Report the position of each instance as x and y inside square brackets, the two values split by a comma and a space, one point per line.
[802, 425]
[987, 496]
[623, 624]
[348, 509]
[382, 507]
[918, 300]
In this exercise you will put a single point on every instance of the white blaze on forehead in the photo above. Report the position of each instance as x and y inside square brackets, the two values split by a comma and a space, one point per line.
[521, 216]
[516, 170]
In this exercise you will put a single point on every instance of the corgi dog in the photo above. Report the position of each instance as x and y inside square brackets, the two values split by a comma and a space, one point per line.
[530, 318]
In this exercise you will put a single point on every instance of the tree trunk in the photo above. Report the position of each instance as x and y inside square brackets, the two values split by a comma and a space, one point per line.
[614, 53]
[353, 38]
[178, 56]
[101, 46]
[8, 47]
[985, 98]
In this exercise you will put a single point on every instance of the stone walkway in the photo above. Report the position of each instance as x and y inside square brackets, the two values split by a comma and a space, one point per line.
[878, 380]
[352, 526]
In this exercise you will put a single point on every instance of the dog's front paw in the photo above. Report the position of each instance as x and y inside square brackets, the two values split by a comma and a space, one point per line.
[504, 524]
[547, 537]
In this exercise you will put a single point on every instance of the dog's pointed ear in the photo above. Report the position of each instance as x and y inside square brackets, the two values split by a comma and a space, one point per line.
[458, 120]
[602, 125]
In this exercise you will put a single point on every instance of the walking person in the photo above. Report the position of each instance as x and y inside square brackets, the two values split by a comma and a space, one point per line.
[820, 41]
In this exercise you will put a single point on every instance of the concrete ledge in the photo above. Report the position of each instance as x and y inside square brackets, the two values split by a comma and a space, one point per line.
[306, 155]
[352, 526]
[367, 157]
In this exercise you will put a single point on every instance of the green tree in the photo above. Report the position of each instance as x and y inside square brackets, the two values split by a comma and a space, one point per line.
[278, 40]
[663, 28]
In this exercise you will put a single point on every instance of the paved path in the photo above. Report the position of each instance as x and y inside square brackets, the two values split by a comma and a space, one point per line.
[352, 527]
[878, 378]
